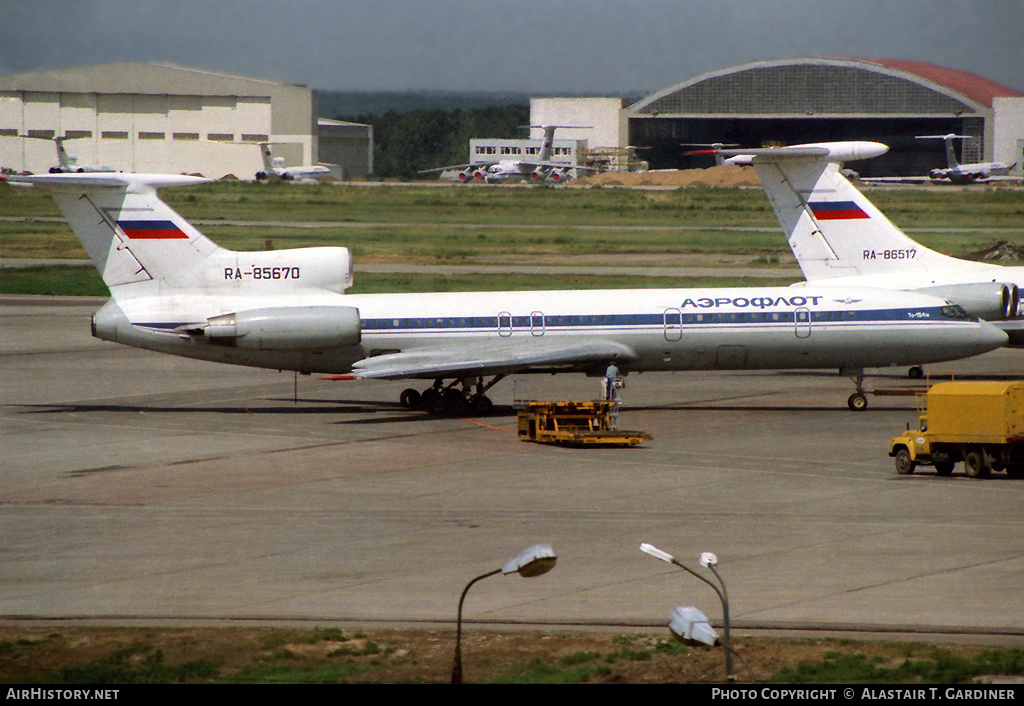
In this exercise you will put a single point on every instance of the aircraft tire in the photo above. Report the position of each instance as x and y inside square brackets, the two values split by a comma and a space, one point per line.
[482, 405]
[456, 403]
[944, 468]
[915, 373]
[428, 398]
[857, 402]
[904, 464]
[410, 398]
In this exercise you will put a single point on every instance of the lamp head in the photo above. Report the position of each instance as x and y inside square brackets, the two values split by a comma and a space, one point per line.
[656, 553]
[534, 561]
[689, 625]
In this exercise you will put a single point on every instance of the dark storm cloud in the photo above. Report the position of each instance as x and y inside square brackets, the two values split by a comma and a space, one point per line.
[541, 46]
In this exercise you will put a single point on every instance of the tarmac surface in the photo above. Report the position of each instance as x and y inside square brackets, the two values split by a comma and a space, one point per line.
[142, 487]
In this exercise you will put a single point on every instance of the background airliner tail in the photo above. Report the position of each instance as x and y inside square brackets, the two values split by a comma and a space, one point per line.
[833, 230]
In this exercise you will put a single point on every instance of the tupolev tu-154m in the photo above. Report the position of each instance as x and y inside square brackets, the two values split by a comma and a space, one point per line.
[840, 239]
[175, 291]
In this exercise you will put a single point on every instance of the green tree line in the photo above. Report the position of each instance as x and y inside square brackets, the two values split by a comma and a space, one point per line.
[408, 142]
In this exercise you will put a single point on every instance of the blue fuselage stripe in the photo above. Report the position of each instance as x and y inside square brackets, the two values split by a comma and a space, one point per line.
[672, 318]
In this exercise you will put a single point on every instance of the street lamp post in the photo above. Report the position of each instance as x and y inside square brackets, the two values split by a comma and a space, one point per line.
[534, 561]
[709, 561]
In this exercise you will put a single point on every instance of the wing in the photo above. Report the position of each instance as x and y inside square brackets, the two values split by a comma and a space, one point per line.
[1009, 178]
[451, 167]
[492, 358]
[1014, 328]
[896, 180]
[555, 165]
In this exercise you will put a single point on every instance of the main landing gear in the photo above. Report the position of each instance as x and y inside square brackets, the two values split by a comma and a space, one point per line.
[439, 400]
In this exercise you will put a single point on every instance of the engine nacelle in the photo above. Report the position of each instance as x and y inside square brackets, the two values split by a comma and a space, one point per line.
[269, 271]
[992, 301]
[287, 328]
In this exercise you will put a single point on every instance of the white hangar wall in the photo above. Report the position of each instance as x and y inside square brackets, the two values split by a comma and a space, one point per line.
[155, 118]
[1008, 132]
[601, 122]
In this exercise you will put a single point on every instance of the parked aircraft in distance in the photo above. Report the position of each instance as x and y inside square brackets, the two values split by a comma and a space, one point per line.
[840, 239]
[715, 149]
[68, 163]
[274, 166]
[175, 291]
[955, 173]
[541, 169]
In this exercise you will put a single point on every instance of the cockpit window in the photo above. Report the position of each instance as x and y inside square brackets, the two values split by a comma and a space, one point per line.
[955, 311]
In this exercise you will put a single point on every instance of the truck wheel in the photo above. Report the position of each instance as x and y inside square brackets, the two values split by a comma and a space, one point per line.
[904, 464]
[974, 465]
[944, 468]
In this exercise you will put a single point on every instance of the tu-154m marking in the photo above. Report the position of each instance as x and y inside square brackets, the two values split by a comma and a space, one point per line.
[175, 291]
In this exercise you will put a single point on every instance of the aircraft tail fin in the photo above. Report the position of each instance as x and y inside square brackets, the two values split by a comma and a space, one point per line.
[128, 232]
[546, 143]
[142, 247]
[832, 228]
[65, 160]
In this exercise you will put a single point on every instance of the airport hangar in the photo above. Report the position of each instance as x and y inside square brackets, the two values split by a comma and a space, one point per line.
[171, 119]
[793, 101]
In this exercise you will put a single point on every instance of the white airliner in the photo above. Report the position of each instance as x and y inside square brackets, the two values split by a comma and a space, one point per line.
[68, 163]
[956, 173]
[840, 239]
[965, 173]
[274, 166]
[175, 291]
[541, 169]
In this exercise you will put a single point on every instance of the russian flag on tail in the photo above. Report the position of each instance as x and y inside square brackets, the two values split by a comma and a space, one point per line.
[152, 230]
[837, 211]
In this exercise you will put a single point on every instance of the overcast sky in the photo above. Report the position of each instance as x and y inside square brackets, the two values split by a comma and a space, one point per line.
[603, 47]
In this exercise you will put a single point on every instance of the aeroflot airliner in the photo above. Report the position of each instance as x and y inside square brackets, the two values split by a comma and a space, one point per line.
[840, 239]
[175, 291]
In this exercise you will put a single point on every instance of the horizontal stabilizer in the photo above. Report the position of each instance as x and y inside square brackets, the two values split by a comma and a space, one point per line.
[110, 180]
[827, 151]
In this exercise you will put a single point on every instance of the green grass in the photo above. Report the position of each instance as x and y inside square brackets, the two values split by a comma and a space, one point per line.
[936, 667]
[71, 280]
[139, 664]
[53, 280]
[423, 224]
[279, 656]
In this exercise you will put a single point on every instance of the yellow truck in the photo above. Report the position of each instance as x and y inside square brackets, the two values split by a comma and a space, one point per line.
[979, 423]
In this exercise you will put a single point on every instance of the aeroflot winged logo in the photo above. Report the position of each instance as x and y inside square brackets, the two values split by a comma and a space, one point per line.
[151, 230]
[837, 210]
